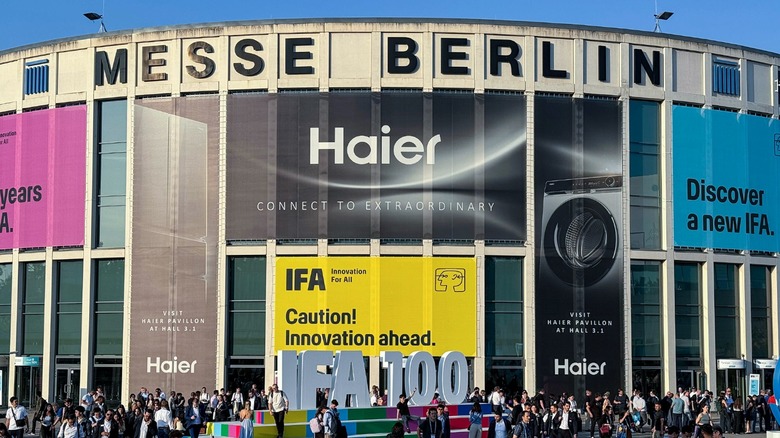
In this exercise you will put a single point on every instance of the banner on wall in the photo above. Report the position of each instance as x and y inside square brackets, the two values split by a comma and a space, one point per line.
[42, 178]
[403, 165]
[579, 251]
[375, 304]
[726, 168]
[175, 228]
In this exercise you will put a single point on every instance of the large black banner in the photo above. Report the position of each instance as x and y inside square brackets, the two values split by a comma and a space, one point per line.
[359, 165]
[579, 263]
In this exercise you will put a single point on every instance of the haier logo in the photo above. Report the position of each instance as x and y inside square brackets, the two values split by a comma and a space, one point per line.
[296, 278]
[174, 366]
[407, 150]
[579, 368]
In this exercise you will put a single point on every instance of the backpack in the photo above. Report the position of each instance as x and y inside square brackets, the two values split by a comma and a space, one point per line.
[335, 424]
[314, 425]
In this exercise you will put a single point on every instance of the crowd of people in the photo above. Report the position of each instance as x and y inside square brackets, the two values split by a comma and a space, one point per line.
[146, 415]
[156, 414]
[683, 413]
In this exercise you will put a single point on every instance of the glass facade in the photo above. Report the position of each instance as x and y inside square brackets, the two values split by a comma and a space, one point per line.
[646, 309]
[726, 312]
[504, 322]
[34, 289]
[246, 289]
[111, 171]
[760, 316]
[109, 306]
[69, 291]
[645, 175]
[688, 310]
[5, 307]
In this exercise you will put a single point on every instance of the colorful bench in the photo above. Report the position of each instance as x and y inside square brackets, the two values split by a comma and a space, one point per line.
[360, 422]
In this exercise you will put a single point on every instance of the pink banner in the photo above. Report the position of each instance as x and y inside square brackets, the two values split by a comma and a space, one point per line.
[42, 178]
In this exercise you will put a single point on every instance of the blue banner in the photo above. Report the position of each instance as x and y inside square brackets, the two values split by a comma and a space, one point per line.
[726, 168]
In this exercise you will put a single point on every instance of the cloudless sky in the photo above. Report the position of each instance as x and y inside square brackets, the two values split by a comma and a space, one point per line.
[752, 23]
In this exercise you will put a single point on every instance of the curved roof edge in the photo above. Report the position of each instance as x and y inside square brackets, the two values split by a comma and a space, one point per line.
[464, 21]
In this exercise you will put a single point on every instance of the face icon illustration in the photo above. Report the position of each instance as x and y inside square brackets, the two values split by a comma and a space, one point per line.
[450, 280]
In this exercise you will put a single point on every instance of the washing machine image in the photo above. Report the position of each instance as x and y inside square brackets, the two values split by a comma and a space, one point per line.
[581, 240]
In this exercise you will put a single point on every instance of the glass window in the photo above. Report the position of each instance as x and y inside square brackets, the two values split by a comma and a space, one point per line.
[34, 290]
[646, 309]
[645, 162]
[504, 306]
[504, 322]
[246, 289]
[69, 291]
[5, 308]
[726, 311]
[760, 316]
[110, 379]
[111, 172]
[109, 306]
[688, 309]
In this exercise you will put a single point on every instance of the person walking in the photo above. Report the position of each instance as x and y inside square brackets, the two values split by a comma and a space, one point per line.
[278, 405]
[16, 419]
[499, 427]
[194, 415]
[331, 421]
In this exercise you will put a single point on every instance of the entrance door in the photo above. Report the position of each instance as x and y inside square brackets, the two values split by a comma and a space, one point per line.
[28, 381]
[685, 379]
[66, 385]
[734, 379]
[646, 380]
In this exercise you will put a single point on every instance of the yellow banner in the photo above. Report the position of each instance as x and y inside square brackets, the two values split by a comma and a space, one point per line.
[375, 304]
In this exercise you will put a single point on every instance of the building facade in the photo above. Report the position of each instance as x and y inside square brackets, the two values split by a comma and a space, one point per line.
[569, 207]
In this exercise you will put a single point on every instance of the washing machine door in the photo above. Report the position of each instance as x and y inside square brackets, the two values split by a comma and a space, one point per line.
[581, 241]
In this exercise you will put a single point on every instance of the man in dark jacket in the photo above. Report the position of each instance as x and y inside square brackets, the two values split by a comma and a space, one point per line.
[569, 425]
[430, 427]
[499, 427]
[146, 427]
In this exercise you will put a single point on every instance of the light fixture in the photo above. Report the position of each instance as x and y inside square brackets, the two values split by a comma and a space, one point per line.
[665, 15]
[94, 16]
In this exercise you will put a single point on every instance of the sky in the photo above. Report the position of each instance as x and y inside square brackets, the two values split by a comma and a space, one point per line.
[751, 23]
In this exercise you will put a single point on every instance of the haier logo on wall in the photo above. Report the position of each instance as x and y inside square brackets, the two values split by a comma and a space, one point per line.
[583, 368]
[174, 366]
[400, 56]
[363, 149]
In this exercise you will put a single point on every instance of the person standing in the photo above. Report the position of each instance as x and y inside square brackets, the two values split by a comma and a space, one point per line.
[475, 420]
[237, 400]
[331, 422]
[523, 429]
[430, 427]
[247, 425]
[40, 405]
[568, 424]
[47, 418]
[499, 427]
[443, 415]
[146, 427]
[278, 405]
[164, 420]
[16, 419]
[70, 429]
